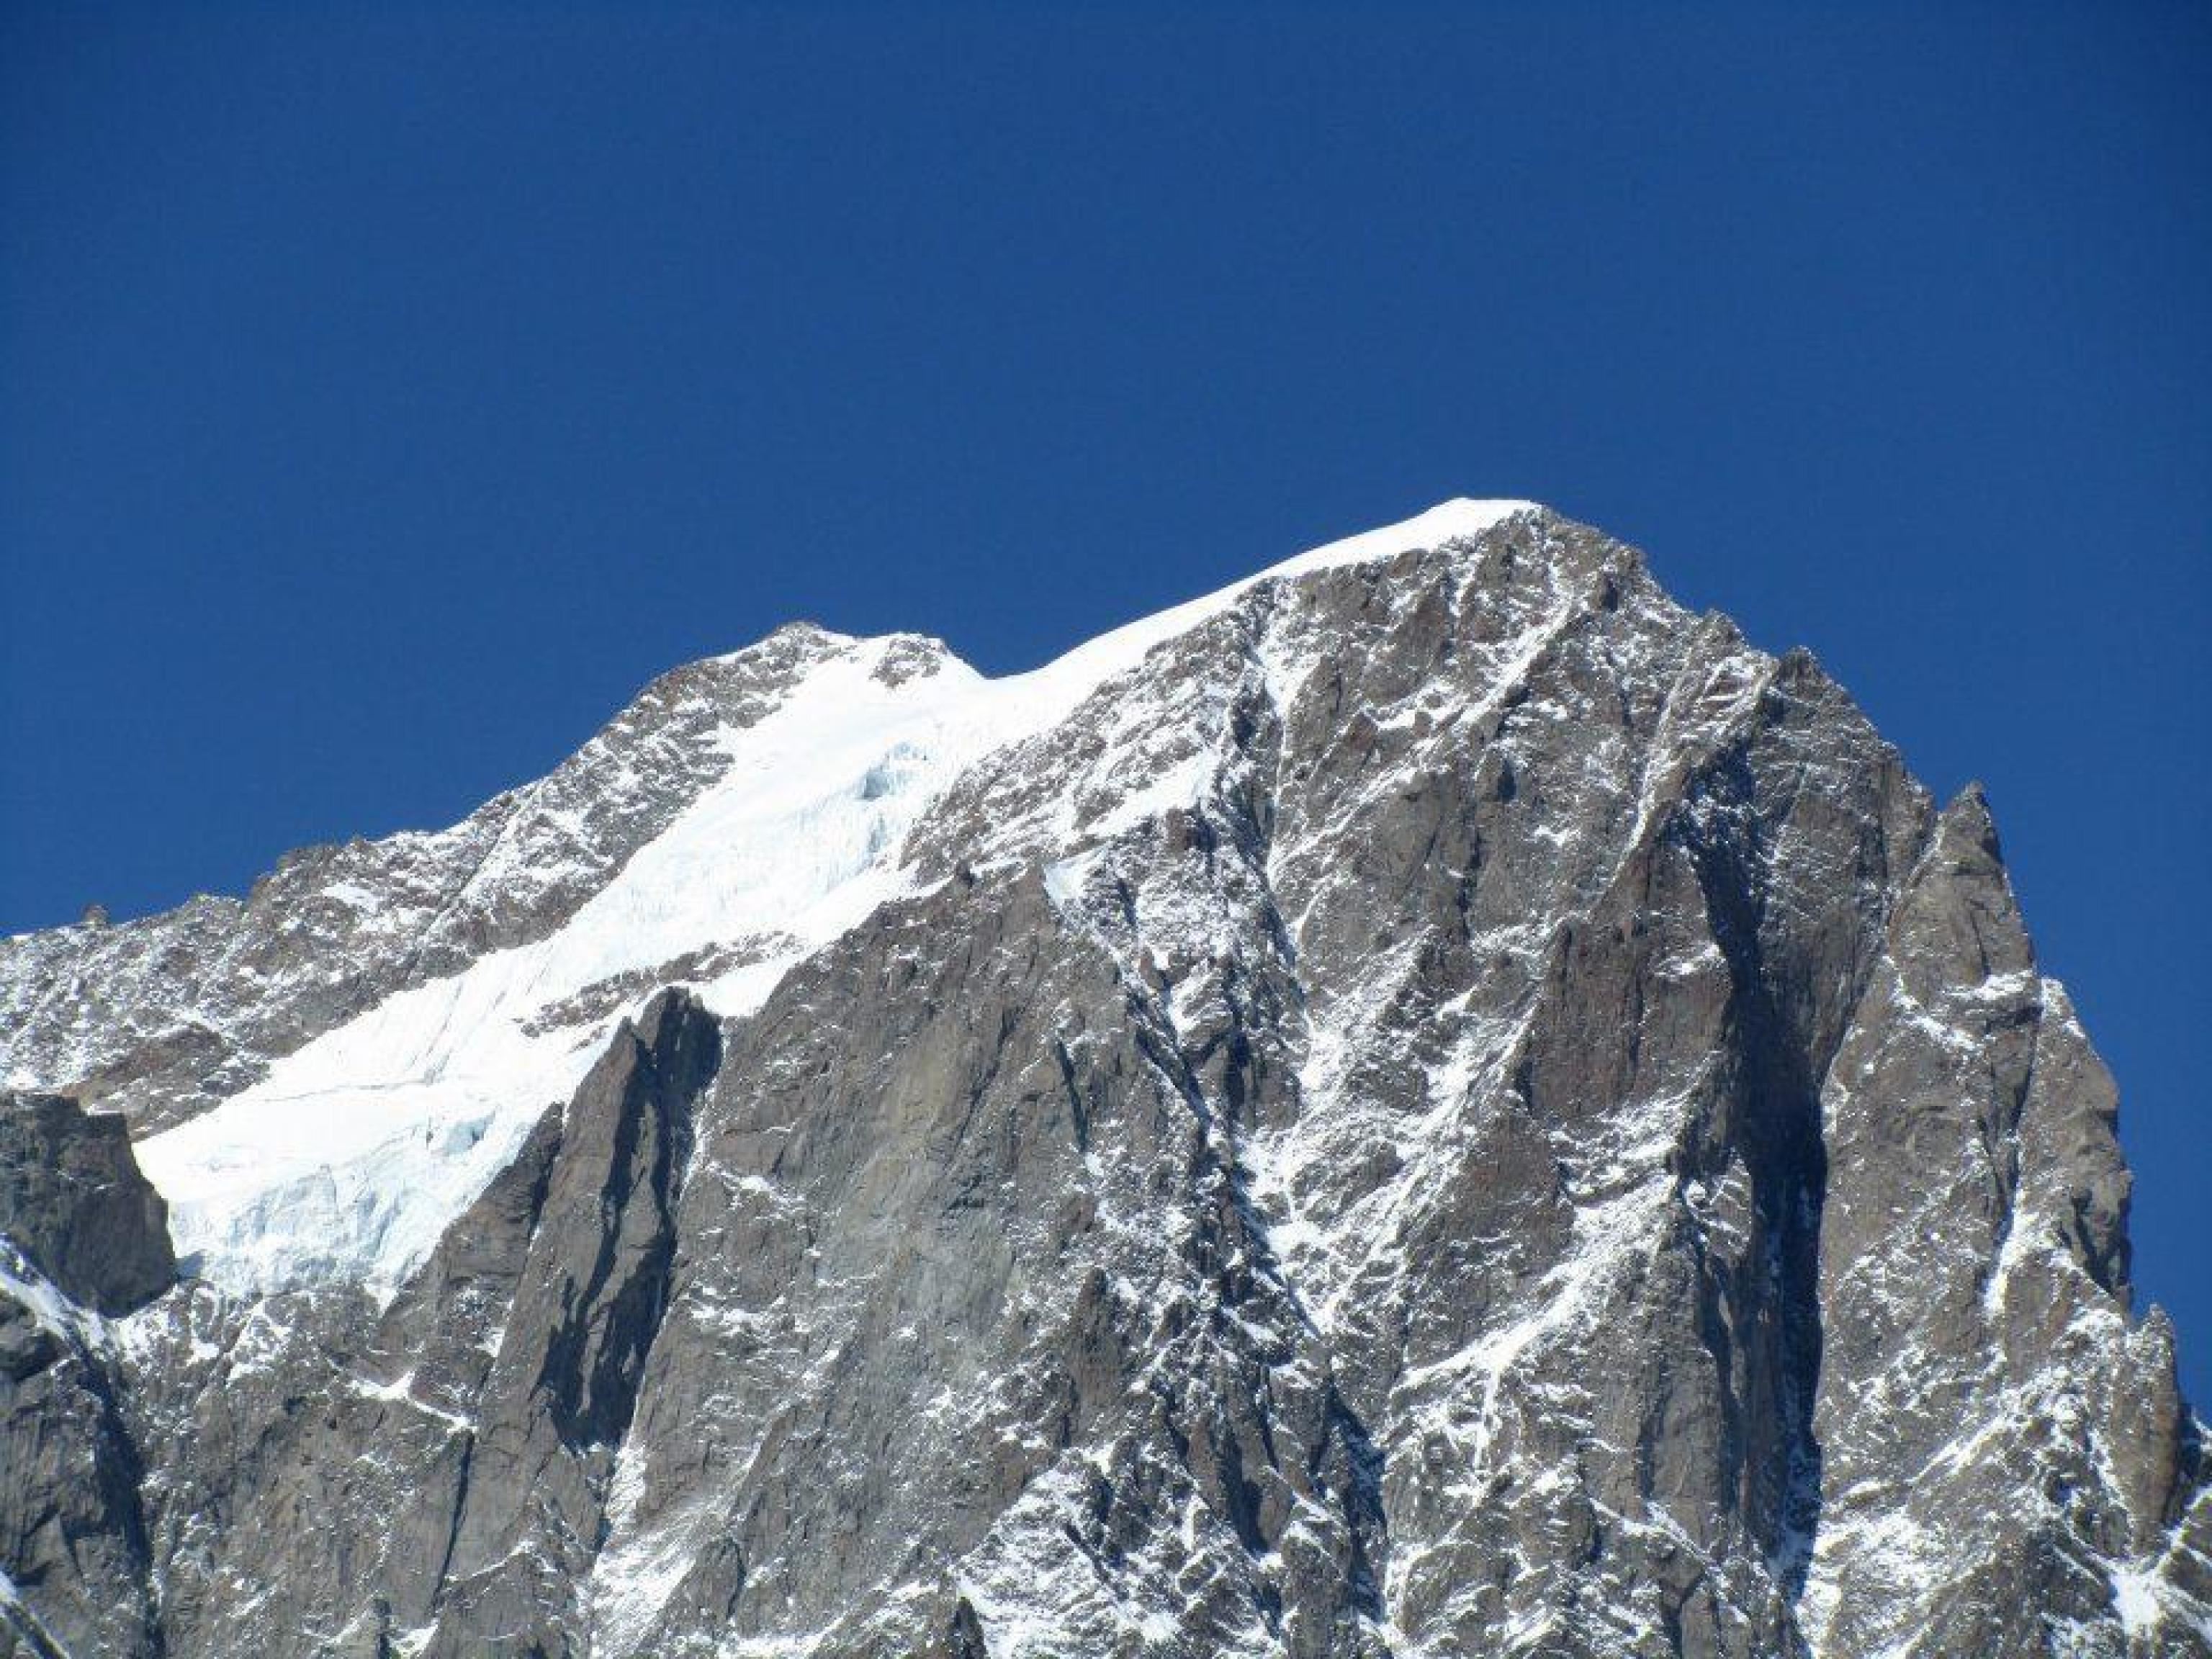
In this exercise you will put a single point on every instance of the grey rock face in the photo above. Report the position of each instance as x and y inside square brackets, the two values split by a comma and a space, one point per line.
[73, 1201]
[77, 1566]
[438, 1471]
[82, 1234]
[1453, 1108]
[162, 1018]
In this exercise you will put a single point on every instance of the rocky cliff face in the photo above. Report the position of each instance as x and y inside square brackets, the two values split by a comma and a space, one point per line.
[1432, 1103]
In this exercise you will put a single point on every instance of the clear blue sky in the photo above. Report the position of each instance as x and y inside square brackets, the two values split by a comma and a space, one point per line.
[385, 393]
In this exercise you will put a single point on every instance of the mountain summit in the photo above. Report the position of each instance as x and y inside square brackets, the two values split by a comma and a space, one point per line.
[1430, 1103]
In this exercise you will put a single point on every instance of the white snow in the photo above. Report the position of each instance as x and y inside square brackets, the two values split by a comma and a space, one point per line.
[53, 1312]
[2135, 1595]
[349, 1159]
[352, 1155]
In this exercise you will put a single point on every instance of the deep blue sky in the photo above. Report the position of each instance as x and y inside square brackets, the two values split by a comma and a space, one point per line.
[385, 394]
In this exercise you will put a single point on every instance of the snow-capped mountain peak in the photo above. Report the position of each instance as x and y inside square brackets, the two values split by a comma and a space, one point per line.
[1429, 1102]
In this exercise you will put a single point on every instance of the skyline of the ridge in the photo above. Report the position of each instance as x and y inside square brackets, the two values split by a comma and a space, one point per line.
[390, 394]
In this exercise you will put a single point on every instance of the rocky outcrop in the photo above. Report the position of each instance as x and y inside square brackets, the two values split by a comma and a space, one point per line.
[81, 1235]
[1437, 1104]
[75, 1564]
[576, 1342]
[162, 1018]
[427, 1477]
[73, 1201]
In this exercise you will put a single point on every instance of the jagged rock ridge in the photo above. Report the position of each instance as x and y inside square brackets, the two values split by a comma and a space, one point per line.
[1431, 1104]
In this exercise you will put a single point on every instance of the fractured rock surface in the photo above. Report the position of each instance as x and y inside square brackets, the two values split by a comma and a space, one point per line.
[1432, 1103]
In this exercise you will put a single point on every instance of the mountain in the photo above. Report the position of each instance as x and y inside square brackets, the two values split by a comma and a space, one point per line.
[1433, 1102]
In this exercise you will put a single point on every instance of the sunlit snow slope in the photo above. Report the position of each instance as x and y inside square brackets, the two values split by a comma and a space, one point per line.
[353, 1154]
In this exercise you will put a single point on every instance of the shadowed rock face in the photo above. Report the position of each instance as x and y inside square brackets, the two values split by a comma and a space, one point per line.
[1455, 1109]
[81, 1235]
[72, 1201]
